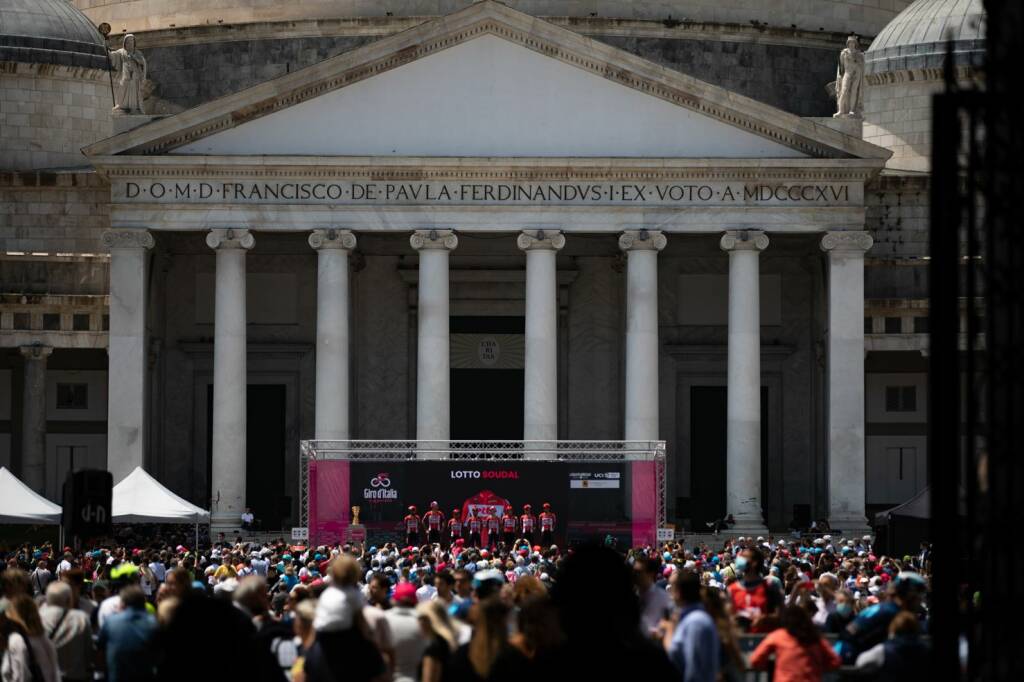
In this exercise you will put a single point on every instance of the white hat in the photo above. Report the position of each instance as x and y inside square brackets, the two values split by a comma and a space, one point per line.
[826, 538]
[760, 539]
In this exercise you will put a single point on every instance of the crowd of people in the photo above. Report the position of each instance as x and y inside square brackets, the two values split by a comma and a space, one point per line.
[449, 612]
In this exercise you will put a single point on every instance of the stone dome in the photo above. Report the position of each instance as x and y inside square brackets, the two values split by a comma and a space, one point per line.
[916, 39]
[49, 32]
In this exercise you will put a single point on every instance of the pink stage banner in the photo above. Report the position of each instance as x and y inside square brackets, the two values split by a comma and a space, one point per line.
[644, 502]
[329, 511]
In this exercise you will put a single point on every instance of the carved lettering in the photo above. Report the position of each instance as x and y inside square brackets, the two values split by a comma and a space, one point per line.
[362, 192]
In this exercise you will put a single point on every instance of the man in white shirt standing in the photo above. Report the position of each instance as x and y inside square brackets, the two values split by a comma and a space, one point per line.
[65, 564]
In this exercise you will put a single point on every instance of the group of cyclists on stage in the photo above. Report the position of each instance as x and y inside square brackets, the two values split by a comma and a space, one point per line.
[479, 527]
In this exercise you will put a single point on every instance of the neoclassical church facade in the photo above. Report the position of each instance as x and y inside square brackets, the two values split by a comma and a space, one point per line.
[469, 221]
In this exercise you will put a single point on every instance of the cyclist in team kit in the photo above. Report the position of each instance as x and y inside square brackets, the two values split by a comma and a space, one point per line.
[493, 522]
[432, 521]
[475, 525]
[508, 527]
[412, 527]
[547, 526]
[528, 523]
[455, 526]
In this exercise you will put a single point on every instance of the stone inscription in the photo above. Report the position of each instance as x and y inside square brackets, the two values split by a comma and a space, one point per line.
[469, 193]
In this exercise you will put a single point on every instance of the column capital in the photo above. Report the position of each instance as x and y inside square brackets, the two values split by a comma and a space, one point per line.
[642, 240]
[744, 240]
[127, 239]
[540, 240]
[332, 239]
[847, 242]
[434, 239]
[230, 238]
[36, 352]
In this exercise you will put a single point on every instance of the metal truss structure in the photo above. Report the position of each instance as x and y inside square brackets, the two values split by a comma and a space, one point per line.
[481, 450]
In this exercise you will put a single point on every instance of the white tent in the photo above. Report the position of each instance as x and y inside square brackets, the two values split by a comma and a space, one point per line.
[140, 498]
[21, 504]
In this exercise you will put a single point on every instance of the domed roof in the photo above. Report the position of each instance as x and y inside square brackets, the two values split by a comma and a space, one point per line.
[917, 37]
[49, 32]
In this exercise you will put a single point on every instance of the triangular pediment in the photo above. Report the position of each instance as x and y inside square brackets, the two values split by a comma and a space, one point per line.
[487, 81]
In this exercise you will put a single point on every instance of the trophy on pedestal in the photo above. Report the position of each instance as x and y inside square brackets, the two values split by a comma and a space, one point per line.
[356, 532]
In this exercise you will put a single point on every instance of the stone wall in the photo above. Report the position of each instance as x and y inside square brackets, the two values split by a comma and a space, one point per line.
[897, 217]
[789, 77]
[184, 76]
[53, 212]
[48, 113]
[897, 116]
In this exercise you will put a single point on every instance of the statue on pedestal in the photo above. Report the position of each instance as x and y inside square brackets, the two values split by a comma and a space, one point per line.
[849, 84]
[129, 77]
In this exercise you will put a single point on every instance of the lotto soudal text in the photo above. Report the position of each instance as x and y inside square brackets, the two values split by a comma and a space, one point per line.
[485, 473]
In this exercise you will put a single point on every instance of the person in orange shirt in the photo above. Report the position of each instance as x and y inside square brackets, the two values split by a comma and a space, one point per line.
[801, 654]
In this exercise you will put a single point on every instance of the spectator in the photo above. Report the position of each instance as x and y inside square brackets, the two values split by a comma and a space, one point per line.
[692, 642]
[40, 578]
[473, 662]
[406, 641]
[70, 631]
[126, 638]
[900, 657]
[441, 641]
[800, 653]
[655, 602]
[28, 654]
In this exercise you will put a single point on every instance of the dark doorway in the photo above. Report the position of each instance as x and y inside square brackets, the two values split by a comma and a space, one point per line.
[486, 403]
[708, 455]
[264, 453]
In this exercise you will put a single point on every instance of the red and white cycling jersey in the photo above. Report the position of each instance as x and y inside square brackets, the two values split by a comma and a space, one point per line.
[474, 525]
[412, 523]
[508, 524]
[528, 522]
[547, 521]
[434, 519]
[455, 528]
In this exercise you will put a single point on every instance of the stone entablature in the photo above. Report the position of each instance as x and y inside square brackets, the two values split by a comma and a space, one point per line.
[680, 195]
[54, 321]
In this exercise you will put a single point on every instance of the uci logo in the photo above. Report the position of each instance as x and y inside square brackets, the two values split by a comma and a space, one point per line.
[381, 480]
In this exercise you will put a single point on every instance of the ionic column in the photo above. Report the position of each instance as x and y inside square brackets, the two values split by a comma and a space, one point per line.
[433, 390]
[33, 418]
[642, 247]
[229, 375]
[743, 399]
[127, 351]
[846, 378]
[332, 332]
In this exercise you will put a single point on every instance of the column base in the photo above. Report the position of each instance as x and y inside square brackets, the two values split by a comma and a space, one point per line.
[849, 526]
[747, 528]
[230, 525]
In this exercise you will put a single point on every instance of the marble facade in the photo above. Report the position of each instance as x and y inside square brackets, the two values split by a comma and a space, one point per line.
[254, 241]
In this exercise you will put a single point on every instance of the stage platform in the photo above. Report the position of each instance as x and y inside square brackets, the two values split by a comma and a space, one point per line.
[599, 490]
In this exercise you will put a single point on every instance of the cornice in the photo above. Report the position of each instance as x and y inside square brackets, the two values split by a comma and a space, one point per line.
[489, 18]
[378, 27]
[468, 169]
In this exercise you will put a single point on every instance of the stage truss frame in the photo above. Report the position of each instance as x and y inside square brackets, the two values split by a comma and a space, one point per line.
[482, 450]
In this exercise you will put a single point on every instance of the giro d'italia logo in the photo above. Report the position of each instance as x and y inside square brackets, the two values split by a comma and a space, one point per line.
[380, 489]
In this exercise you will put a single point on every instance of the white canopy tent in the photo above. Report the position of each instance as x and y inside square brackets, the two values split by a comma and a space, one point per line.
[21, 504]
[140, 498]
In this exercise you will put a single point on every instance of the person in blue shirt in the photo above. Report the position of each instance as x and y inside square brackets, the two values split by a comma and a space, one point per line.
[126, 639]
[692, 643]
[871, 626]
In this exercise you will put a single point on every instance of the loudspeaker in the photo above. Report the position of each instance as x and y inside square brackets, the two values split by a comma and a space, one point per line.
[87, 503]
